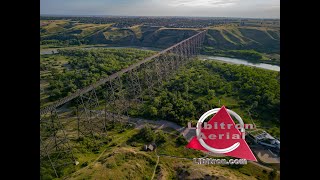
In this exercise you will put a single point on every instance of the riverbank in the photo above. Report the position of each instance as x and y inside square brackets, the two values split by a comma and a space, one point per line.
[264, 60]
[250, 55]
[259, 64]
[240, 61]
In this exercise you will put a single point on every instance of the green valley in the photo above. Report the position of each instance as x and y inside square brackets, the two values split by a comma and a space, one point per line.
[257, 43]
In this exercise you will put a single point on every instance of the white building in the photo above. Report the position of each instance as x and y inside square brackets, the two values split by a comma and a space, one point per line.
[266, 139]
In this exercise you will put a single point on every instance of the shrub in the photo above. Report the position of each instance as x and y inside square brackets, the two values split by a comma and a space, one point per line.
[181, 140]
[111, 165]
[134, 144]
[146, 134]
[273, 174]
[84, 164]
[161, 138]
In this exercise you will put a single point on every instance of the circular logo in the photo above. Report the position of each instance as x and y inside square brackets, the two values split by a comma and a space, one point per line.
[212, 149]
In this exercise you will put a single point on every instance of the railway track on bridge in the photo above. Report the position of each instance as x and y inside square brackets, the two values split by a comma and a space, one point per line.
[117, 74]
[117, 91]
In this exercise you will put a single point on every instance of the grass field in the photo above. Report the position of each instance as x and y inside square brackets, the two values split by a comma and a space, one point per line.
[137, 30]
[53, 26]
[119, 158]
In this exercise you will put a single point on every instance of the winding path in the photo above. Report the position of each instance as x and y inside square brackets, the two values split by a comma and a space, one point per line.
[160, 124]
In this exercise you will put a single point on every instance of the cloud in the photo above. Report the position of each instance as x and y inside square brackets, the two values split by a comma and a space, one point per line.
[208, 8]
[202, 3]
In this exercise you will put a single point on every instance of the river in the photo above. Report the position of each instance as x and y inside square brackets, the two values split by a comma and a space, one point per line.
[203, 57]
[241, 61]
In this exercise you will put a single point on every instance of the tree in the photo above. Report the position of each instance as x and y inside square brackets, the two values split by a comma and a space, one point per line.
[273, 174]
[147, 134]
[211, 93]
[161, 137]
[181, 140]
[152, 111]
[55, 93]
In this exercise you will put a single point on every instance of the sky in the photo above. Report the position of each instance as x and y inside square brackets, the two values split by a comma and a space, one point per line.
[199, 8]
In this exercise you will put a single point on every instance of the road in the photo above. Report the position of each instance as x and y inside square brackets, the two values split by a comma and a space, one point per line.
[184, 131]
[155, 168]
[160, 124]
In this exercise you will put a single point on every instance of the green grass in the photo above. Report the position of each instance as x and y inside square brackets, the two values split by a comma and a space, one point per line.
[118, 159]
[55, 26]
[252, 171]
[137, 30]
[172, 148]
[226, 37]
[83, 149]
[89, 29]
[116, 34]
[226, 40]
[235, 32]
[251, 43]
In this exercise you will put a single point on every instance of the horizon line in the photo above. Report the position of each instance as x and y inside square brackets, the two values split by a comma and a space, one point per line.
[66, 15]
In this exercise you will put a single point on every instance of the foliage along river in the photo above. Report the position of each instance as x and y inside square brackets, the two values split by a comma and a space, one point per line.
[241, 61]
[202, 57]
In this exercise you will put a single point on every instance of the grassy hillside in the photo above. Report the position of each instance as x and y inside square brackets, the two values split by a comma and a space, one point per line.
[68, 33]
[251, 43]
[255, 43]
[121, 156]
[140, 36]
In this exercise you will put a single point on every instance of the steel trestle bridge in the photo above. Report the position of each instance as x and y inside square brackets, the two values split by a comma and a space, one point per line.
[106, 100]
